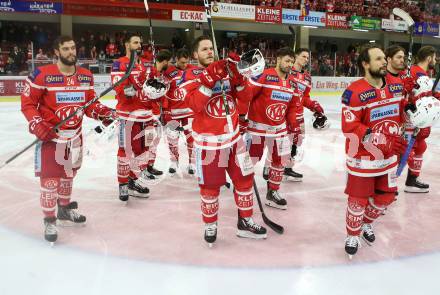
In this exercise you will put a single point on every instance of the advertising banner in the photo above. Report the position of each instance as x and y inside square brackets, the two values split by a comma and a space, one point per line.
[47, 7]
[233, 11]
[336, 20]
[394, 25]
[429, 29]
[314, 18]
[189, 16]
[364, 23]
[268, 15]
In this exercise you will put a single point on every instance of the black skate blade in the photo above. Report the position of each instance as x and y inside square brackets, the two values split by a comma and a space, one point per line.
[275, 227]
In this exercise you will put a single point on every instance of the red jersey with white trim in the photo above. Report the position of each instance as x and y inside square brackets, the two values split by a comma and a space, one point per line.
[176, 104]
[138, 107]
[273, 104]
[304, 83]
[380, 110]
[52, 96]
[210, 128]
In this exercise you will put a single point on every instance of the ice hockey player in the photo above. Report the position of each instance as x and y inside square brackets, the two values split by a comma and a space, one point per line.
[372, 117]
[135, 114]
[219, 146]
[52, 93]
[418, 85]
[177, 115]
[273, 101]
[154, 128]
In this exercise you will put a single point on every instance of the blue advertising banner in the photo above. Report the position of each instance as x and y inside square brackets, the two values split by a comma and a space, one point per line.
[313, 18]
[47, 7]
[429, 29]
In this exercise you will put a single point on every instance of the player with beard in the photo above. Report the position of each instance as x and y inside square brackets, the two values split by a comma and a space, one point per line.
[219, 147]
[136, 118]
[273, 101]
[418, 85]
[372, 117]
[52, 93]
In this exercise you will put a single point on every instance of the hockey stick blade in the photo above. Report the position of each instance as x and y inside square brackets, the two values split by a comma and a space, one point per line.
[403, 15]
[122, 79]
[275, 227]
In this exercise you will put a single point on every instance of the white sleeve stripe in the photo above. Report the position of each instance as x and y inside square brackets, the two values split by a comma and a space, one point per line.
[205, 90]
[34, 85]
[291, 91]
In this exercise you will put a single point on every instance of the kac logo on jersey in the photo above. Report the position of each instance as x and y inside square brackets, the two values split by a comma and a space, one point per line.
[70, 97]
[276, 112]
[215, 107]
[367, 95]
[281, 96]
[384, 112]
[387, 127]
[271, 78]
[66, 111]
[52, 79]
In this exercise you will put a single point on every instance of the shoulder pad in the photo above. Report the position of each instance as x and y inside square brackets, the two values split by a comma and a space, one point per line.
[346, 97]
[116, 66]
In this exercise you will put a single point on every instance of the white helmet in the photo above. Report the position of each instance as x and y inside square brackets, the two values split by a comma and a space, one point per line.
[425, 113]
[155, 88]
[251, 63]
[423, 86]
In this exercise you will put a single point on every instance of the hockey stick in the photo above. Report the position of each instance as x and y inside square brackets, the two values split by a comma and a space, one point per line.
[81, 109]
[437, 78]
[216, 57]
[410, 22]
[292, 31]
[153, 49]
[275, 227]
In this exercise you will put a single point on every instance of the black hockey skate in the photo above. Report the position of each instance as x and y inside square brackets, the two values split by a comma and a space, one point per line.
[210, 233]
[154, 171]
[135, 189]
[291, 175]
[123, 192]
[50, 230]
[266, 173]
[173, 168]
[68, 216]
[352, 243]
[191, 169]
[247, 228]
[413, 185]
[368, 233]
[273, 199]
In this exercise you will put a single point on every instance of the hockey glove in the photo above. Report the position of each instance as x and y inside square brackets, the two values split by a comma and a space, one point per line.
[387, 143]
[321, 122]
[235, 76]
[129, 91]
[216, 71]
[317, 108]
[424, 133]
[43, 130]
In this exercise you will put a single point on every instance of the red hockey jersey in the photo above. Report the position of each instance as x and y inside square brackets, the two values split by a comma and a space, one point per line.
[304, 83]
[380, 110]
[52, 96]
[137, 108]
[210, 128]
[175, 103]
[273, 103]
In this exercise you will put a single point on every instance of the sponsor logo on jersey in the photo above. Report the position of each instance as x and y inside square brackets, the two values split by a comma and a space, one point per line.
[197, 71]
[52, 79]
[70, 97]
[271, 78]
[215, 107]
[367, 95]
[84, 79]
[384, 112]
[387, 127]
[116, 66]
[276, 112]
[395, 88]
[281, 96]
[346, 97]
[34, 75]
[173, 73]
[217, 87]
